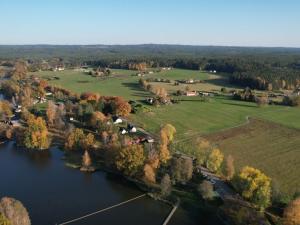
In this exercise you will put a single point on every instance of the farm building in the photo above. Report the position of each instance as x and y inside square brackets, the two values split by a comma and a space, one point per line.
[191, 93]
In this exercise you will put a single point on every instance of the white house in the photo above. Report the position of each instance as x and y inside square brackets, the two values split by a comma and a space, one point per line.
[132, 129]
[123, 131]
[117, 120]
[150, 140]
[18, 110]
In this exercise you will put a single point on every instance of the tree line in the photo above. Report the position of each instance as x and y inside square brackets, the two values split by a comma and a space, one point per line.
[259, 68]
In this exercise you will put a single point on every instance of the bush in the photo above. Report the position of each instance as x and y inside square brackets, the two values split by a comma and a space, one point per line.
[182, 169]
[206, 190]
[166, 185]
[291, 100]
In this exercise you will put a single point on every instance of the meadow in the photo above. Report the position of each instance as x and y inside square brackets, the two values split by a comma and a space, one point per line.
[272, 148]
[191, 115]
[272, 144]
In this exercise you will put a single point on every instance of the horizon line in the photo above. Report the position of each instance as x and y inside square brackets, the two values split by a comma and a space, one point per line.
[140, 44]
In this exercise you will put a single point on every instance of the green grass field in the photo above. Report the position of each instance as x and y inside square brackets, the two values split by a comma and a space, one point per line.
[191, 116]
[123, 84]
[273, 148]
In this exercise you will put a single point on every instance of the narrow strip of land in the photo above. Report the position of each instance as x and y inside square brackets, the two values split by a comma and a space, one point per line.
[171, 213]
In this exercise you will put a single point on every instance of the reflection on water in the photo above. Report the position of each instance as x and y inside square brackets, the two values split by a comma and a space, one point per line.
[54, 193]
[39, 159]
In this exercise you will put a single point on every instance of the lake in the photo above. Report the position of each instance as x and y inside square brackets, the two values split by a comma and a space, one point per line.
[54, 193]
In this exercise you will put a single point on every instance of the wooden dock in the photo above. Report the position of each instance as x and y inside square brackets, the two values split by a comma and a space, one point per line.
[172, 212]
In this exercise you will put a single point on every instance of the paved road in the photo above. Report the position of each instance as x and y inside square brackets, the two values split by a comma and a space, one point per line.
[223, 189]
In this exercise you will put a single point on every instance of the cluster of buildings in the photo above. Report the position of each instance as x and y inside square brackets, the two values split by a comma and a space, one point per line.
[199, 93]
[131, 129]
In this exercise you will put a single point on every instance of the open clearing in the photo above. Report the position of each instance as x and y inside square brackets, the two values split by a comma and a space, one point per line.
[273, 148]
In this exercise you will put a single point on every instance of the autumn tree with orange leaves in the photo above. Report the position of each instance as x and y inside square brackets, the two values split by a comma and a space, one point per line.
[36, 135]
[121, 107]
[43, 84]
[291, 214]
[20, 70]
[97, 118]
[150, 167]
[5, 109]
[86, 159]
[149, 174]
[167, 133]
[73, 139]
[130, 159]
[87, 142]
[89, 96]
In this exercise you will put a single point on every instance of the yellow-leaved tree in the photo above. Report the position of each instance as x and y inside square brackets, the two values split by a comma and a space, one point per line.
[4, 220]
[5, 109]
[229, 167]
[36, 135]
[254, 186]
[130, 159]
[202, 149]
[167, 133]
[214, 160]
[88, 141]
[73, 139]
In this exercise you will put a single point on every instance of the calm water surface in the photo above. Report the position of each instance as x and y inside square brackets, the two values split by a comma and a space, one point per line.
[54, 193]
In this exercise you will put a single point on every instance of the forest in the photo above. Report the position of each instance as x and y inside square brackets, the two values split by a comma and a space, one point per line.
[255, 67]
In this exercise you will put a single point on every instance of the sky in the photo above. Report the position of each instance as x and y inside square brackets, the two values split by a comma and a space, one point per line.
[190, 22]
